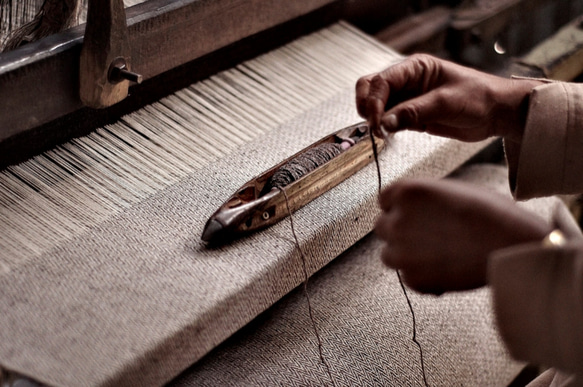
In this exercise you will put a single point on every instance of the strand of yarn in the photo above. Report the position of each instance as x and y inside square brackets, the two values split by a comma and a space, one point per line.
[306, 277]
[376, 159]
[302, 165]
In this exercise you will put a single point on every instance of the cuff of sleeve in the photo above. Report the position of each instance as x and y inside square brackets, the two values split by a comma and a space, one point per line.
[536, 309]
[536, 164]
[545, 80]
[520, 306]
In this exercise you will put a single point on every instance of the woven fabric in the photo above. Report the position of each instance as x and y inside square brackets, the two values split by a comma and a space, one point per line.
[366, 327]
[366, 331]
[139, 298]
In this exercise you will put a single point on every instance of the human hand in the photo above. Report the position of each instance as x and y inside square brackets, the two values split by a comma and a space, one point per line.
[427, 94]
[439, 233]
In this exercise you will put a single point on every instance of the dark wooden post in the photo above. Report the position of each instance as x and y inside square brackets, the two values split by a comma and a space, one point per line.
[105, 65]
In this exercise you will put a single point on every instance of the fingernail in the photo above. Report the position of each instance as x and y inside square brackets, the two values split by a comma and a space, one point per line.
[385, 133]
[391, 122]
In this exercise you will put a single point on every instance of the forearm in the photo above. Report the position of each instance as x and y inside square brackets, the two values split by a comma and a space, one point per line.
[511, 110]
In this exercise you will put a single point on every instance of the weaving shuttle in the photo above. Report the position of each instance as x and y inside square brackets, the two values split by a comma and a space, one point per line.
[255, 206]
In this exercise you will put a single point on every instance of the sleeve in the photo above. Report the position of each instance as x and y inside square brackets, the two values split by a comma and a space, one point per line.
[538, 299]
[549, 159]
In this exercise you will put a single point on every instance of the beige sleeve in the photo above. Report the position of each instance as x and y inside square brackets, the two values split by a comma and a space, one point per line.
[538, 296]
[550, 158]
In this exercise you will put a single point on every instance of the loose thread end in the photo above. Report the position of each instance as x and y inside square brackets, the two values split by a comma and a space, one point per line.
[414, 339]
[308, 300]
[375, 153]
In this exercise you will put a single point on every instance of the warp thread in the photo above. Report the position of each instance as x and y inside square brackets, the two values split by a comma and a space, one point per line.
[376, 159]
[53, 16]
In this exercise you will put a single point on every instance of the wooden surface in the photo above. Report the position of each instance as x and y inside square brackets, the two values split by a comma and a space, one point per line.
[423, 32]
[559, 57]
[39, 82]
[106, 40]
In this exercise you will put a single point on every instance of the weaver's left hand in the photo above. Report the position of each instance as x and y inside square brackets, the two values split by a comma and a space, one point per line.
[439, 233]
[432, 95]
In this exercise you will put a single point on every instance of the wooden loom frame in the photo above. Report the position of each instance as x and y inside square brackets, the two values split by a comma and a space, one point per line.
[39, 82]
[180, 41]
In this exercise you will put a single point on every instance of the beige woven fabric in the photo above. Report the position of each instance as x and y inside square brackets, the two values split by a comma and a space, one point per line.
[366, 330]
[366, 327]
[139, 298]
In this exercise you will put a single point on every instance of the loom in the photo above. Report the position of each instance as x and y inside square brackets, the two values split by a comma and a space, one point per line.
[104, 278]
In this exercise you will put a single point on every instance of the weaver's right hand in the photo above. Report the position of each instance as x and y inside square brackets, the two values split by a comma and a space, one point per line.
[440, 233]
[428, 94]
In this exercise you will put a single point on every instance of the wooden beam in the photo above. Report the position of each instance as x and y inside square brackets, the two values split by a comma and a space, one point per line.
[560, 57]
[39, 82]
[422, 32]
[480, 25]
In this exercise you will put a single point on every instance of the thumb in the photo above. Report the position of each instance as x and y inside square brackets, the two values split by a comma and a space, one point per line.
[415, 113]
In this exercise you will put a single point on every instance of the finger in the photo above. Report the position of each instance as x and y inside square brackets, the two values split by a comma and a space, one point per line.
[415, 114]
[362, 92]
[390, 122]
[416, 75]
[423, 282]
[412, 74]
[389, 227]
[390, 196]
[392, 257]
[383, 227]
[376, 102]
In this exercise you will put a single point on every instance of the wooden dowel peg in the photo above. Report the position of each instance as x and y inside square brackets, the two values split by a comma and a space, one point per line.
[105, 65]
[118, 71]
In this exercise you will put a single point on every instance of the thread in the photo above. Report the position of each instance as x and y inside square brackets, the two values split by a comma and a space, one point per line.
[295, 169]
[414, 338]
[307, 294]
[52, 198]
[302, 165]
